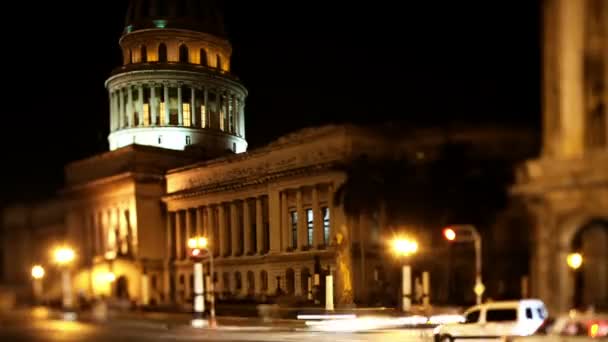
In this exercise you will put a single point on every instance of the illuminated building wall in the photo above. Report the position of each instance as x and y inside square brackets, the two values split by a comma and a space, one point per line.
[565, 189]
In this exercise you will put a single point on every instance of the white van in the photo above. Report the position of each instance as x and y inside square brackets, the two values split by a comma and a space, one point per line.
[495, 320]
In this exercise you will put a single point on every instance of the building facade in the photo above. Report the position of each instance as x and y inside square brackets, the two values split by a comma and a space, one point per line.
[566, 189]
[178, 166]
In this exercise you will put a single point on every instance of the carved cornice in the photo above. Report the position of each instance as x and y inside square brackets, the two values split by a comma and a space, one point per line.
[245, 182]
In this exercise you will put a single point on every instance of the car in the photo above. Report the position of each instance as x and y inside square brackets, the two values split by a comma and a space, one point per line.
[495, 320]
[588, 324]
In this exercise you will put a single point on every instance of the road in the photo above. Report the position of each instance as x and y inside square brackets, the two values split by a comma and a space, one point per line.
[32, 328]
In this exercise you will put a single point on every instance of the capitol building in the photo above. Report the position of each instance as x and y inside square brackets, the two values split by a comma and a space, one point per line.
[178, 166]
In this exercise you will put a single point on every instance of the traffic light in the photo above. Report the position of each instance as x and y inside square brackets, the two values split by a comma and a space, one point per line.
[449, 234]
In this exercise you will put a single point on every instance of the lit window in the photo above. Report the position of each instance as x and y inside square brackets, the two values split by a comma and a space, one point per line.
[186, 113]
[294, 229]
[162, 114]
[325, 212]
[203, 117]
[188, 140]
[309, 225]
[146, 114]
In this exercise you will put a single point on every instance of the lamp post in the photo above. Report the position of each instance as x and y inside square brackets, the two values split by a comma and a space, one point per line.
[197, 246]
[37, 275]
[405, 247]
[575, 261]
[468, 233]
[63, 257]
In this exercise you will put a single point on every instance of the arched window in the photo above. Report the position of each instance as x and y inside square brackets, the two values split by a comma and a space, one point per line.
[130, 56]
[250, 282]
[143, 54]
[290, 281]
[183, 53]
[162, 53]
[264, 281]
[218, 62]
[204, 57]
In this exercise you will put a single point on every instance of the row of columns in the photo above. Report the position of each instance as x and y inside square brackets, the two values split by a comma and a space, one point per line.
[229, 226]
[226, 113]
[319, 238]
[109, 232]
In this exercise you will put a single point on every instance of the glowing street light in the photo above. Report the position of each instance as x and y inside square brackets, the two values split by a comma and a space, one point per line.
[197, 245]
[574, 260]
[454, 234]
[37, 272]
[449, 234]
[63, 257]
[405, 247]
[37, 275]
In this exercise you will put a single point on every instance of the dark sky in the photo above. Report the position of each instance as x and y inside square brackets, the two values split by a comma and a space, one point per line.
[304, 62]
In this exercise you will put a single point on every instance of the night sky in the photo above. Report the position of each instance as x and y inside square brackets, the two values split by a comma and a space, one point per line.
[305, 63]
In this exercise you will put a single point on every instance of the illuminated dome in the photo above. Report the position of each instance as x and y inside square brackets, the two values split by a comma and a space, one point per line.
[174, 88]
[196, 15]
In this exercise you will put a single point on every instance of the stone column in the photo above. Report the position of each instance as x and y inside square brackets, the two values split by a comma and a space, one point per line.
[193, 110]
[167, 117]
[130, 106]
[234, 229]
[168, 261]
[140, 105]
[274, 218]
[178, 238]
[286, 227]
[189, 226]
[302, 230]
[317, 218]
[153, 106]
[259, 225]
[242, 117]
[112, 113]
[227, 110]
[248, 248]
[205, 110]
[222, 230]
[199, 224]
[234, 116]
[121, 103]
[180, 107]
[213, 239]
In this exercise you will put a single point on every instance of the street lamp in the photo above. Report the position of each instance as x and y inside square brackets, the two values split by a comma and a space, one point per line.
[64, 256]
[37, 275]
[198, 246]
[574, 260]
[405, 247]
[468, 233]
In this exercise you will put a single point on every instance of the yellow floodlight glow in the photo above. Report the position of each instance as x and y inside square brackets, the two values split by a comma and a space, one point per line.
[37, 272]
[64, 255]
